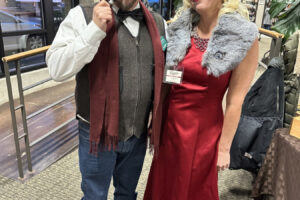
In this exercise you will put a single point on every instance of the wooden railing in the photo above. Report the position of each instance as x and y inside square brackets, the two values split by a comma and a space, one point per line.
[269, 33]
[25, 54]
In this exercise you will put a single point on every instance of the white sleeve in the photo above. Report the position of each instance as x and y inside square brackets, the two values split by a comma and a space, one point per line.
[74, 46]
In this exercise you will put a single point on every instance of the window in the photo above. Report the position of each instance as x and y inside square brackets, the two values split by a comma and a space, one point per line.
[29, 24]
[5, 18]
[20, 15]
[154, 5]
[60, 11]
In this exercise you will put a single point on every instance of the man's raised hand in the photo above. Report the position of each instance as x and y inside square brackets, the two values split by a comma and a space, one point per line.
[102, 14]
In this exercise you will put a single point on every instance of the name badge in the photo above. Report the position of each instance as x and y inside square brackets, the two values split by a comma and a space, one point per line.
[174, 76]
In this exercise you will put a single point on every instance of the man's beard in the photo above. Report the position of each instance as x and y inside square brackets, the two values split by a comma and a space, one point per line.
[121, 6]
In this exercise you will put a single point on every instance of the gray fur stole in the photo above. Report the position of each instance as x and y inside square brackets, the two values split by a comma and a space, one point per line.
[230, 41]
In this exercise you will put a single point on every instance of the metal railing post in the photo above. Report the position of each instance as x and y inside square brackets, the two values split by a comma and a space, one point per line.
[275, 47]
[23, 110]
[16, 58]
[14, 120]
[275, 44]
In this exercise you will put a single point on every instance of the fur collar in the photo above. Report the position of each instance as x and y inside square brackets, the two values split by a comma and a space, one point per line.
[227, 47]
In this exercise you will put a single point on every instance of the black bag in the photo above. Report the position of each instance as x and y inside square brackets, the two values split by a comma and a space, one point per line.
[262, 114]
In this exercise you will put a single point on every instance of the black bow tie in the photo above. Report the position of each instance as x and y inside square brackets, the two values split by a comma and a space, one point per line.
[136, 14]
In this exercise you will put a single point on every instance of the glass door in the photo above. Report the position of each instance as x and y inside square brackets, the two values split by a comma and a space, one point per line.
[60, 11]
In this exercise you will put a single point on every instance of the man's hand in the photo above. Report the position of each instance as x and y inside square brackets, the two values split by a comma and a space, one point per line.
[102, 14]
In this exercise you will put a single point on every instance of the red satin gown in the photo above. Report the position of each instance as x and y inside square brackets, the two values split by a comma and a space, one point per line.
[185, 168]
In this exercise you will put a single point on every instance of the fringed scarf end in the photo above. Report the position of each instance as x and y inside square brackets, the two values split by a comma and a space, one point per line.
[94, 148]
[111, 143]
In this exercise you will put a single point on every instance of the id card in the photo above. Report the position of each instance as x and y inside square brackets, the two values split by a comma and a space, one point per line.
[174, 76]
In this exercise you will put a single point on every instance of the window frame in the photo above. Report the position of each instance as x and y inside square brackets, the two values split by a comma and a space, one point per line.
[47, 30]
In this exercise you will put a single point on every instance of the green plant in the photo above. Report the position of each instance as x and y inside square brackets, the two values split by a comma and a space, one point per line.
[288, 20]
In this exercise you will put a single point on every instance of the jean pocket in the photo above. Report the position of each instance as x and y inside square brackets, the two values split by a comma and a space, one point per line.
[84, 130]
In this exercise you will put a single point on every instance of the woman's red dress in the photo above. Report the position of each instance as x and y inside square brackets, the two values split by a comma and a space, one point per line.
[185, 168]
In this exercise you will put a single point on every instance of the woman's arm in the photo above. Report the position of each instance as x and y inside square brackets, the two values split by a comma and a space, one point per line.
[240, 81]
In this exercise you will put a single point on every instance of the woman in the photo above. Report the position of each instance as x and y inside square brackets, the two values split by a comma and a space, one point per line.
[217, 48]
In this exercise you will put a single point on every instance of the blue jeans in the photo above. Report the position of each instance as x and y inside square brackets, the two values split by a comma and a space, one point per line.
[124, 164]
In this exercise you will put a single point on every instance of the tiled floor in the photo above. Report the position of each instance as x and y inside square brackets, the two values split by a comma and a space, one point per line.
[61, 181]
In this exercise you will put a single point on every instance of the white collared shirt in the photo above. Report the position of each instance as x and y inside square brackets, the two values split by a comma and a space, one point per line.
[132, 25]
[76, 43]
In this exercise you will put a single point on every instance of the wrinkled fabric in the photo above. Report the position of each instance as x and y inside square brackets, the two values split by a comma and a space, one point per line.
[279, 175]
[291, 89]
[290, 54]
[291, 57]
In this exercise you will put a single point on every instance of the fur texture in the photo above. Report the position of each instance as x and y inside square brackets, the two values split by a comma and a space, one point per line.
[230, 41]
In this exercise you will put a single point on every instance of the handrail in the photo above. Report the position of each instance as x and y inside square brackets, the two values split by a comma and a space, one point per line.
[25, 134]
[37, 84]
[21, 55]
[272, 34]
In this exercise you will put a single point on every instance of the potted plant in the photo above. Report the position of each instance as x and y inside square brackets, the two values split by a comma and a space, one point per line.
[288, 16]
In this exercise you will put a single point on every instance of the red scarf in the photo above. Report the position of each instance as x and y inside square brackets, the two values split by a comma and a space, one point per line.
[104, 87]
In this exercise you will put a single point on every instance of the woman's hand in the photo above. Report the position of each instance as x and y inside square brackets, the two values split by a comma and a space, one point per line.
[223, 160]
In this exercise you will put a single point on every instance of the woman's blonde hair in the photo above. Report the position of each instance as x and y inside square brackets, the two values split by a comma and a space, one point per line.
[229, 6]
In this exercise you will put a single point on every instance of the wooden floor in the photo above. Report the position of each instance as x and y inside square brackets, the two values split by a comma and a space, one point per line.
[51, 148]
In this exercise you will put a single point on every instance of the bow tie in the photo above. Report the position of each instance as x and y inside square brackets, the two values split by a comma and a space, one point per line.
[136, 14]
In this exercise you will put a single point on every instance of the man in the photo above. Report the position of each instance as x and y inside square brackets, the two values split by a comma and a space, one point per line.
[117, 56]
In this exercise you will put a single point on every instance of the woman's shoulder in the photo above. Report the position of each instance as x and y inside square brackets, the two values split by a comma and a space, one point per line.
[231, 39]
[238, 24]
